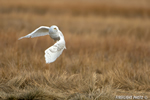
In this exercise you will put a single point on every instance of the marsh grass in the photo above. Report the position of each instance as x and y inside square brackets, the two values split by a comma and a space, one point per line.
[105, 56]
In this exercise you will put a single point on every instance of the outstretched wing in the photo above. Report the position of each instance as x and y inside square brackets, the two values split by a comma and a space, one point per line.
[41, 31]
[53, 52]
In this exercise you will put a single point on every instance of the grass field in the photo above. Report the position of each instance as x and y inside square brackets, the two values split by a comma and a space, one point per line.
[107, 55]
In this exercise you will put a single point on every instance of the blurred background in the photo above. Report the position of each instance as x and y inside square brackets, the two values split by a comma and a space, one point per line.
[99, 27]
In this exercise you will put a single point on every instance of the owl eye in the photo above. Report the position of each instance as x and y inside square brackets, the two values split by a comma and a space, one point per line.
[55, 29]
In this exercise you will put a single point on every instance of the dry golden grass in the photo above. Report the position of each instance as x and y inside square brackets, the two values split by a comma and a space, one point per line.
[105, 56]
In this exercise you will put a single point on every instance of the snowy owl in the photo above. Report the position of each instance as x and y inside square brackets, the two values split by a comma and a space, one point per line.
[53, 52]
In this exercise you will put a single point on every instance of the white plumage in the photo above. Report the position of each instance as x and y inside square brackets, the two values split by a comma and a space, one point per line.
[53, 52]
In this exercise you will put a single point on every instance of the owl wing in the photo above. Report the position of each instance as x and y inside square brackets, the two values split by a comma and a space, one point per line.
[53, 52]
[41, 31]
